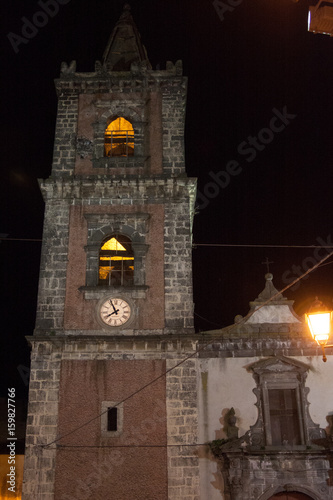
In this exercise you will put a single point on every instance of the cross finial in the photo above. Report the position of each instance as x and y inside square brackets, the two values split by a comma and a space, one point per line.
[267, 263]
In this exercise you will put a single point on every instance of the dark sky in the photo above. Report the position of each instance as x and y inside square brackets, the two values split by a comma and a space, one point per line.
[246, 69]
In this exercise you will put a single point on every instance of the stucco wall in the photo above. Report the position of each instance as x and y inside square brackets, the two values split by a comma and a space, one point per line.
[319, 381]
[224, 383]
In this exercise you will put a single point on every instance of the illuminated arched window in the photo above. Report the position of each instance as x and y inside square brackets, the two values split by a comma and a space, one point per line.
[119, 138]
[116, 261]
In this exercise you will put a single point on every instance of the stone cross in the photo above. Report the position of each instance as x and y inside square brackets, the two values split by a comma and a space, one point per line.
[267, 263]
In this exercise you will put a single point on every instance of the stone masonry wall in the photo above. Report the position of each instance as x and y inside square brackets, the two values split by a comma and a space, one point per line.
[178, 266]
[182, 415]
[173, 89]
[52, 277]
[65, 134]
[173, 116]
[173, 194]
[39, 463]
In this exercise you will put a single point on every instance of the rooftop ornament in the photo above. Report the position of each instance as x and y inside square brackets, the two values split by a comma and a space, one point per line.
[319, 320]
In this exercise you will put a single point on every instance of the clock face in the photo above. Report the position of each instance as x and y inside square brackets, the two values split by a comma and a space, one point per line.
[115, 311]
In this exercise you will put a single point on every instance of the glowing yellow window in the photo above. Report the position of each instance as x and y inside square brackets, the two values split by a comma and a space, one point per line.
[119, 138]
[116, 261]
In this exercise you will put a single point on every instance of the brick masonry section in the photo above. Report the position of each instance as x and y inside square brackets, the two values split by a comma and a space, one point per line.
[81, 373]
[101, 463]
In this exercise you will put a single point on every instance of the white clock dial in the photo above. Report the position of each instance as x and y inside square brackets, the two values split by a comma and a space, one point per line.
[115, 311]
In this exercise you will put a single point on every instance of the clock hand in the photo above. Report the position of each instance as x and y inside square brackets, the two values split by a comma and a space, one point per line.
[116, 311]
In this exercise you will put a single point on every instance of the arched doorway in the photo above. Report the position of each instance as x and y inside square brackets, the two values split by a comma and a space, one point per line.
[290, 495]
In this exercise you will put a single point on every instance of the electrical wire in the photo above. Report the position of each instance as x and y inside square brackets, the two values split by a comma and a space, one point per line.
[207, 320]
[195, 245]
[203, 347]
[20, 239]
[132, 445]
[258, 245]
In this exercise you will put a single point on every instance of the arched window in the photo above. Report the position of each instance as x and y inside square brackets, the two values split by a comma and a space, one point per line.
[116, 261]
[119, 138]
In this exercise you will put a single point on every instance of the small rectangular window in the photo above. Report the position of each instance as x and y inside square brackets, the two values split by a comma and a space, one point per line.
[112, 419]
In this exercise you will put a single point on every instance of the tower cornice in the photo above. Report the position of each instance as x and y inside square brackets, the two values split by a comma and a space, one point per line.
[103, 81]
[112, 187]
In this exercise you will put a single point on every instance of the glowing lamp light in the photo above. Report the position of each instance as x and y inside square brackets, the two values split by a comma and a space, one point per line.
[319, 324]
[319, 320]
[320, 18]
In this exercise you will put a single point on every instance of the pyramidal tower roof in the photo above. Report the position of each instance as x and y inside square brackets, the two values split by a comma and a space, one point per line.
[124, 46]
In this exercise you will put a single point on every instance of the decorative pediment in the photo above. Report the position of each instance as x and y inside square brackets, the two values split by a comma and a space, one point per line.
[278, 364]
[272, 313]
[270, 307]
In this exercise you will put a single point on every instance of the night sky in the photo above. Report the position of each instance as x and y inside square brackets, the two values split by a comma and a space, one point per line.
[258, 137]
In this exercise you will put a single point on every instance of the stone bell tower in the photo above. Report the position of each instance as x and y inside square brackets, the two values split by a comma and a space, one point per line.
[115, 291]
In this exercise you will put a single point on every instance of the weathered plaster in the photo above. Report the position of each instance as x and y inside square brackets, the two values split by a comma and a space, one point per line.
[273, 314]
[319, 381]
[229, 384]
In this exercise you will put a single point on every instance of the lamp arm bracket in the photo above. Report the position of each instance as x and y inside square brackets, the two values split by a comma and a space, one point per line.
[320, 2]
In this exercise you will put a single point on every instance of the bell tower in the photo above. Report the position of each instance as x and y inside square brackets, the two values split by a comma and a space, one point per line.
[118, 202]
[115, 285]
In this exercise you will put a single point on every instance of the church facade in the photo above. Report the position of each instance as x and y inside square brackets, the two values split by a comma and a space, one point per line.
[126, 401]
[264, 407]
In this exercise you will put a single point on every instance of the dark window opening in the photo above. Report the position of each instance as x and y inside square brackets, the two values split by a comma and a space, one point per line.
[116, 261]
[112, 424]
[284, 417]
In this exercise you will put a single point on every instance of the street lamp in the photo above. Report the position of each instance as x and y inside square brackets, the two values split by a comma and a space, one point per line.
[320, 19]
[319, 319]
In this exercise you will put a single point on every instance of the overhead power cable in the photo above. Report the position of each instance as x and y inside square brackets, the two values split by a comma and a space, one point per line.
[195, 245]
[202, 348]
[20, 239]
[166, 445]
[205, 319]
[258, 245]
